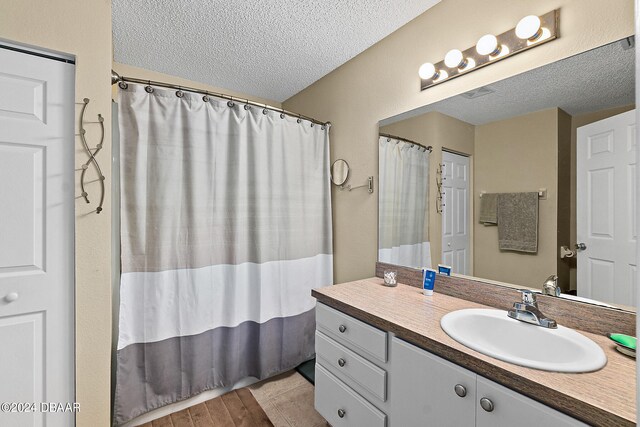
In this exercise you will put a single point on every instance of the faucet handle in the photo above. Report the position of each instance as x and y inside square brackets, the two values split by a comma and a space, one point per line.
[528, 297]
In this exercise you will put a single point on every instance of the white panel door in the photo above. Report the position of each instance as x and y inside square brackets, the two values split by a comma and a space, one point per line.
[455, 212]
[36, 237]
[606, 214]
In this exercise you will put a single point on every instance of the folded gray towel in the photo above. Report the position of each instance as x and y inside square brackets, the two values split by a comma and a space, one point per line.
[518, 222]
[489, 208]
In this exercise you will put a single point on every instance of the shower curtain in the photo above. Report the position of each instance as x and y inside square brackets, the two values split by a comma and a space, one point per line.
[403, 203]
[226, 228]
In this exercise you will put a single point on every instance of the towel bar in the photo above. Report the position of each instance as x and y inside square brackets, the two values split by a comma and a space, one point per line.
[542, 193]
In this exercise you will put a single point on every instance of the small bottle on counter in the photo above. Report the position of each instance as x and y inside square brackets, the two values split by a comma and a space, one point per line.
[428, 280]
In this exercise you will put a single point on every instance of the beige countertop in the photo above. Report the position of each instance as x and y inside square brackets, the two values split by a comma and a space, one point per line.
[603, 398]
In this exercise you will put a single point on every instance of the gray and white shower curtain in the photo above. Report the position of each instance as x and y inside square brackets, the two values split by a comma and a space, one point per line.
[403, 203]
[226, 228]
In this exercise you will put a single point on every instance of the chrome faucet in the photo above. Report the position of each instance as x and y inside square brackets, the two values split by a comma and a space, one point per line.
[527, 311]
[550, 286]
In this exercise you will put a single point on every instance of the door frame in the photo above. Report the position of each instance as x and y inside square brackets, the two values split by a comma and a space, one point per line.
[470, 204]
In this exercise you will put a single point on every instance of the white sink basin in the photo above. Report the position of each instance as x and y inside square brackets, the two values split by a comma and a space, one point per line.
[492, 333]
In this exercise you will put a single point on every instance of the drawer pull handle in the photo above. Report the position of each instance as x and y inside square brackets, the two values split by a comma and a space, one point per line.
[342, 362]
[486, 404]
[341, 413]
[11, 297]
[460, 390]
[342, 328]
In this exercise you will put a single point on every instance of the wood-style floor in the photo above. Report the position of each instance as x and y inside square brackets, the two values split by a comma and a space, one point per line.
[235, 409]
[283, 401]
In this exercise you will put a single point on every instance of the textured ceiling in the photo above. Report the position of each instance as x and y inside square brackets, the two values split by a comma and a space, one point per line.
[595, 80]
[267, 48]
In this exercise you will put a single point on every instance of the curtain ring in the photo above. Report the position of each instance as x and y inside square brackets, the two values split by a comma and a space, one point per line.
[299, 119]
[282, 115]
[148, 88]
[247, 106]
[179, 93]
[123, 85]
[231, 103]
[265, 111]
[205, 98]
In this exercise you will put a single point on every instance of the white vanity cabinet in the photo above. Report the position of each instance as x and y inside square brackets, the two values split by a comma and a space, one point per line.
[428, 390]
[366, 377]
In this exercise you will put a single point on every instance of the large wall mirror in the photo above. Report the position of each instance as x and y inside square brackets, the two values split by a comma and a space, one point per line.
[526, 178]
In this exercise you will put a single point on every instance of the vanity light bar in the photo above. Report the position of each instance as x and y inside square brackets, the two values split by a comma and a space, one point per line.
[530, 32]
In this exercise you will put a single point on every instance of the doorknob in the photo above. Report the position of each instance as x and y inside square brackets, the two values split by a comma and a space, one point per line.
[11, 297]
[581, 247]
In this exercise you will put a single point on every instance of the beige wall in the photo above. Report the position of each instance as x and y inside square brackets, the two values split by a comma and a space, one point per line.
[141, 73]
[440, 131]
[517, 155]
[383, 81]
[82, 28]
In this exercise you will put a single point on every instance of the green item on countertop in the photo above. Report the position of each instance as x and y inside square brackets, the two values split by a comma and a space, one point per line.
[624, 340]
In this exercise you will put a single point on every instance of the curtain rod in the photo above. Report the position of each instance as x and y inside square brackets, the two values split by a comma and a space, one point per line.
[122, 80]
[387, 135]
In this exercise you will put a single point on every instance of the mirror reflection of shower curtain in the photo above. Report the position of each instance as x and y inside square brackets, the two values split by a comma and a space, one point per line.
[403, 204]
[226, 228]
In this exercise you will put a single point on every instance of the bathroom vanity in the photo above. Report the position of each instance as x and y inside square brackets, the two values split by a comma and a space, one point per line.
[383, 360]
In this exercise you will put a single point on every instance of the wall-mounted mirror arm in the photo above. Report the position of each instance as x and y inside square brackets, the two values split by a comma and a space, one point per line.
[369, 185]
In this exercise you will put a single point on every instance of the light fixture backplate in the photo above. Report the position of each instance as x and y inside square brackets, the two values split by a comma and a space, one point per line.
[549, 21]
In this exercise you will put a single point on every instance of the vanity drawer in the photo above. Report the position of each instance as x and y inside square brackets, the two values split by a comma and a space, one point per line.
[352, 333]
[341, 406]
[343, 362]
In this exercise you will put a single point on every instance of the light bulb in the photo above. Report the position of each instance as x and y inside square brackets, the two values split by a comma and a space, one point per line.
[488, 45]
[528, 28]
[427, 71]
[454, 59]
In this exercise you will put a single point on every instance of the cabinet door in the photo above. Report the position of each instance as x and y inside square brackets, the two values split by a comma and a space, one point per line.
[513, 409]
[422, 389]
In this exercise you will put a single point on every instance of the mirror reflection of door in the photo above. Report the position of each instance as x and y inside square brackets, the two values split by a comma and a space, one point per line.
[606, 189]
[455, 212]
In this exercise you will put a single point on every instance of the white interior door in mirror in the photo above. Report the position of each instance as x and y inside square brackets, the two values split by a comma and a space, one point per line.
[36, 237]
[606, 213]
[455, 212]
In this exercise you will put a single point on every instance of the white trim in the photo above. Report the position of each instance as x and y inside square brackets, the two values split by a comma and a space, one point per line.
[38, 50]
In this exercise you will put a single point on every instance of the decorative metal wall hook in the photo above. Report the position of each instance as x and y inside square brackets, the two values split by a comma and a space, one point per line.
[91, 153]
[439, 196]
